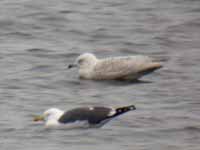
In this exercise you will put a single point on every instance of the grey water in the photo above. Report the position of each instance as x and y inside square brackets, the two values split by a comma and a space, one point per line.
[39, 38]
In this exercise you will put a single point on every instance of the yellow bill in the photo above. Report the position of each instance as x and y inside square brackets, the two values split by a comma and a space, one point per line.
[38, 118]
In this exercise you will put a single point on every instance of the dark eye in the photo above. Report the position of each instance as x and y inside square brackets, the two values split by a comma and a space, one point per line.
[80, 61]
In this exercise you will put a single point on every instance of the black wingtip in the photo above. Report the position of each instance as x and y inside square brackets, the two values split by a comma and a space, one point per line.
[124, 109]
[132, 107]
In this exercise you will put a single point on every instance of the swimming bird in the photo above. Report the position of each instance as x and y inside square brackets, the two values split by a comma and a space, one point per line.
[81, 117]
[114, 68]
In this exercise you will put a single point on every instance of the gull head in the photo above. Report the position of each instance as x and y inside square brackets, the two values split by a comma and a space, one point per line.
[51, 115]
[84, 61]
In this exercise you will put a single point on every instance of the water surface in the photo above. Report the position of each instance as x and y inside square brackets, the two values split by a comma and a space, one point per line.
[40, 38]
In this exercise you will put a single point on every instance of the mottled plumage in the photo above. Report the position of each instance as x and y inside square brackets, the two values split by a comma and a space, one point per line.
[116, 68]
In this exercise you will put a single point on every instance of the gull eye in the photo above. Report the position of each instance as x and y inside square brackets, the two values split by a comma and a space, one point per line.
[80, 61]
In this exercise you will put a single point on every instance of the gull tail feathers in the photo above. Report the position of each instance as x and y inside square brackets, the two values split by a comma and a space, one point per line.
[151, 68]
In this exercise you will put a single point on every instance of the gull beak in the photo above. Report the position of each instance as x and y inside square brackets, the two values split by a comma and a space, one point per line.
[38, 118]
[72, 66]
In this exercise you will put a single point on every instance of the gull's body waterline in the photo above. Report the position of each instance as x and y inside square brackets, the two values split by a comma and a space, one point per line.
[82, 117]
[115, 68]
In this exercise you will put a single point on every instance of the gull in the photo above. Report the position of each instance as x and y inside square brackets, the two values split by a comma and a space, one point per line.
[114, 68]
[81, 117]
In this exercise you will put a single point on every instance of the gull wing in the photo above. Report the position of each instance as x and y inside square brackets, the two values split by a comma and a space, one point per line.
[122, 67]
[93, 115]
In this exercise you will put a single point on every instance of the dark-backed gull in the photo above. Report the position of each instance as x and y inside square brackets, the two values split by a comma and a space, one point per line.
[114, 68]
[81, 117]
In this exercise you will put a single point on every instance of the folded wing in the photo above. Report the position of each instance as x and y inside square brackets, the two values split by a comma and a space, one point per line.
[122, 67]
[93, 115]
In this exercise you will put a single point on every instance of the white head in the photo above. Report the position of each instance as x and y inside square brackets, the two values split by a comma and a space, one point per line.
[50, 116]
[85, 60]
